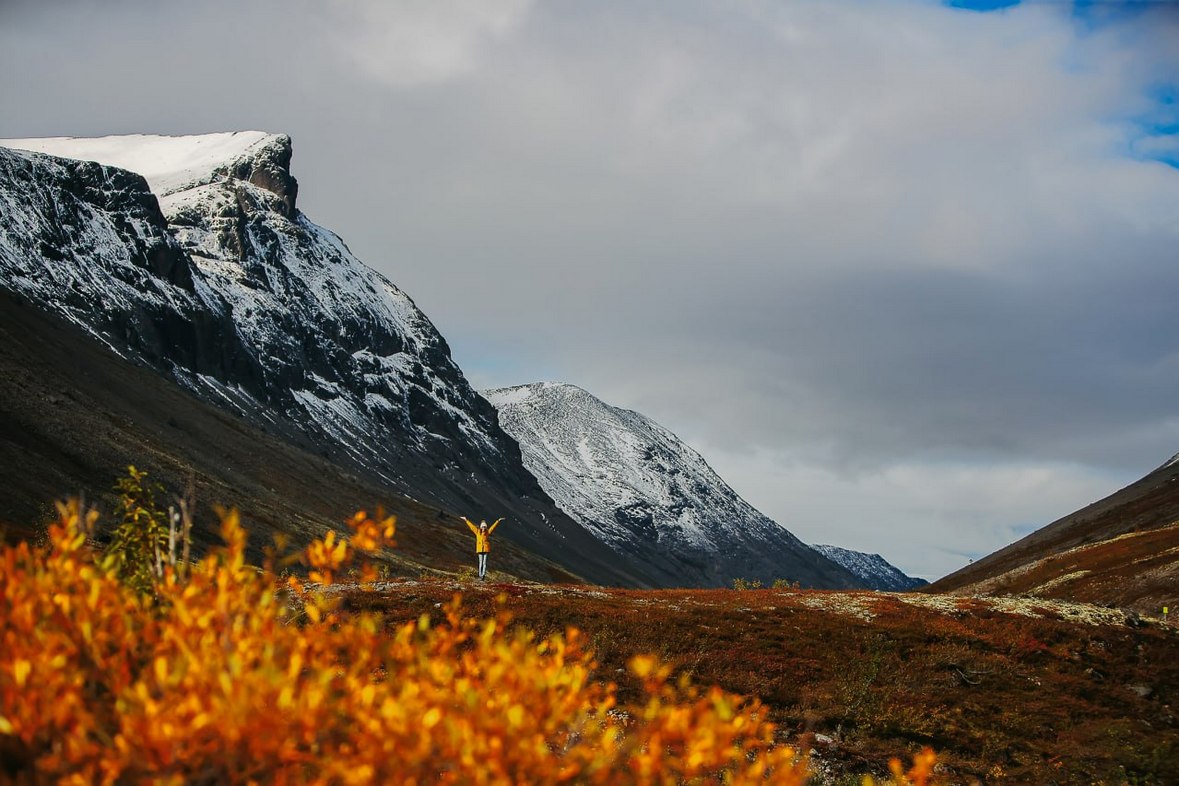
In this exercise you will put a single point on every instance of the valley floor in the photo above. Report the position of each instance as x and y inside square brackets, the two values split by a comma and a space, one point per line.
[1006, 690]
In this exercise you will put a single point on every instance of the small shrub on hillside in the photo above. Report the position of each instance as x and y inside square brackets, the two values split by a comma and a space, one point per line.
[140, 535]
[746, 584]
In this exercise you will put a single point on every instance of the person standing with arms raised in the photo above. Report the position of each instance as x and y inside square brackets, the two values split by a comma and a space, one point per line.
[482, 542]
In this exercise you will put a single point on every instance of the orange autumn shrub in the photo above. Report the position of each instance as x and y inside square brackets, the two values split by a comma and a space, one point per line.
[232, 677]
[920, 774]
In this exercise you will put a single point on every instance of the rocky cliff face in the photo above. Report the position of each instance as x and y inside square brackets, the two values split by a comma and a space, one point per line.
[650, 497]
[204, 269]
[90, 243]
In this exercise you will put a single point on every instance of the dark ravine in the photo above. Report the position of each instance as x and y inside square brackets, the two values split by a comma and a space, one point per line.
[228, 291]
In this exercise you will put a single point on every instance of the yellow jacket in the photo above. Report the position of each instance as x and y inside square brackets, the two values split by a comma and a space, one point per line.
[482, 539]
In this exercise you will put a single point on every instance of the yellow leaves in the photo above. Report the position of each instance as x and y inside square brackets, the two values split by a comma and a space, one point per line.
[231, 530]
[20, 671]
[161, 669]
[295, 665]
[368, 574]
[372, 534]
[215, 681]
[73, 526]
[515, 716]
[643, 665]
[328, 555]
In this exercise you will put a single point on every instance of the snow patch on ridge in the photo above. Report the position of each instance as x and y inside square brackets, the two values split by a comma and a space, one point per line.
[168, 163]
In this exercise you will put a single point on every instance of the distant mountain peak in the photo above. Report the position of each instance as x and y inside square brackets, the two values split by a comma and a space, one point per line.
[518, 394]
[875, 571]
[642, 491]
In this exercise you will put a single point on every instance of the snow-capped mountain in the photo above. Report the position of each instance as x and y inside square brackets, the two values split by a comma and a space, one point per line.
[189, 254]
[315, 332]
[872, 569]
[649, 496]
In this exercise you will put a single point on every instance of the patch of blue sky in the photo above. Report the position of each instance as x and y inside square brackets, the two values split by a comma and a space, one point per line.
[486, 364]
[981, 5]
[1093, 11]
[1154, 134]
[1094, 14]
[1090, 14]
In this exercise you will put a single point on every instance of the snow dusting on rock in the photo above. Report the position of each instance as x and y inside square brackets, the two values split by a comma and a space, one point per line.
[319, 334]
[168, 163]
[643, 492]
[873, 570]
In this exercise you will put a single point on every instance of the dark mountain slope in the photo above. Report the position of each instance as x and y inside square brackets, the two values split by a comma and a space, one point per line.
[1122, 550]
[73, 415]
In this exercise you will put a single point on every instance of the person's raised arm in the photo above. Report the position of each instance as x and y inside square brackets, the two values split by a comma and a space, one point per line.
[470, 526]
[493, 526]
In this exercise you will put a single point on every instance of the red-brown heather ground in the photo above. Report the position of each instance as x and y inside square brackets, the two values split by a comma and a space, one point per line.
[1007, 690]
[1138, 570]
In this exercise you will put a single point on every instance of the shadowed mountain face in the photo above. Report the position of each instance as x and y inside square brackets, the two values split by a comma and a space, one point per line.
[1122, 550]
[646, 494]
[213, 278]
[73, 414]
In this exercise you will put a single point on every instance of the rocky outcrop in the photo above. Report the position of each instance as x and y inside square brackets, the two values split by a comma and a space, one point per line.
[90, 243]
[269, 167]
[81, 193]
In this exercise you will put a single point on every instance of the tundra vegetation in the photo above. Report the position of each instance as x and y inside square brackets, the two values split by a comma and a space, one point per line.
[130, 664]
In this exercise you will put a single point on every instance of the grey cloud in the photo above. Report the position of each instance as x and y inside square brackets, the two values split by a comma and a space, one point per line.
[847, 247]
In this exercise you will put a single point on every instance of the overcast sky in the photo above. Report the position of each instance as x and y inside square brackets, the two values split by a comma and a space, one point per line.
[904, 273]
